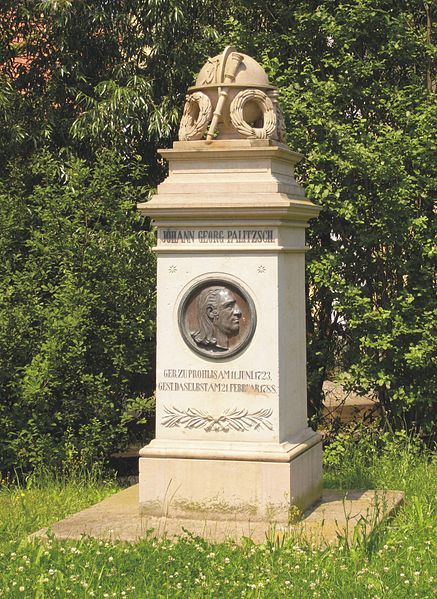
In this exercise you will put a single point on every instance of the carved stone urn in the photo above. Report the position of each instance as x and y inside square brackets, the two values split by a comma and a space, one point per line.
[232, 440]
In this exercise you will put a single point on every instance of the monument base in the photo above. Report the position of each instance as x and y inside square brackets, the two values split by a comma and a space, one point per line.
[336, 516]
[262, 489]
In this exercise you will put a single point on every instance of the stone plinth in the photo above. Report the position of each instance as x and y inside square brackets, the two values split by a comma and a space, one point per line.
[232, 435]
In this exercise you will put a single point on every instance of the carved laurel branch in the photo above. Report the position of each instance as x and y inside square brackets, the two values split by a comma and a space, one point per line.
[237, 420]
[266, 105]
[196, 116]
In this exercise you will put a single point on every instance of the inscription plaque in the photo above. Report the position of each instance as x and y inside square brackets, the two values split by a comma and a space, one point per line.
[217, 236]
[217, 318]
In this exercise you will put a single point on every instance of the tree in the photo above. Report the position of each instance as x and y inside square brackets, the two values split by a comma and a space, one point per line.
[76, 309]
[90, 89]
[93, 74]
[355, 85]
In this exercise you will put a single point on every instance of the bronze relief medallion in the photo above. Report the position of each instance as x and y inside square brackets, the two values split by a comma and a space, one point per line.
[217, 318]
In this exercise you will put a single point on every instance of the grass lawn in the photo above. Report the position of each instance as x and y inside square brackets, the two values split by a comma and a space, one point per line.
[396, 561]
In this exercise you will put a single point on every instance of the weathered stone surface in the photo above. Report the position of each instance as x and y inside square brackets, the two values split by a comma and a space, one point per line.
[336, 515]
[232, 99]
[254, 489]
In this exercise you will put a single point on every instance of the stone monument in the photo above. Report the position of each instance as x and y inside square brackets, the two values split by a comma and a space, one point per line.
[232, 439]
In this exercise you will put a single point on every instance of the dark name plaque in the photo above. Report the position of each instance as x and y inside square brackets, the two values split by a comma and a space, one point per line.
[217, 318]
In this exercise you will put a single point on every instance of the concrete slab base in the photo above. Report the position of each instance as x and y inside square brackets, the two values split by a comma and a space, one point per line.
[338, 513]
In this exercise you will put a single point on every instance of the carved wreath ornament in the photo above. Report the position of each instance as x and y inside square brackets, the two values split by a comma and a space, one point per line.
[196, 116]
[237, 420]
[265, 104]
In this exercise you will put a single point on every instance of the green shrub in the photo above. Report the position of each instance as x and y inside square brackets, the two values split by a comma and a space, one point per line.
[356, 86]
[76, 291]
[77, 307]
[369, 458]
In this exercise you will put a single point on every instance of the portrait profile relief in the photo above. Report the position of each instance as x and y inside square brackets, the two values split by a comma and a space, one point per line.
[217, 318]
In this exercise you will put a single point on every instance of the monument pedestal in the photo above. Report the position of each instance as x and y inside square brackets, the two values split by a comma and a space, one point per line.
[258, 486]
[233, 453]
[232, 440]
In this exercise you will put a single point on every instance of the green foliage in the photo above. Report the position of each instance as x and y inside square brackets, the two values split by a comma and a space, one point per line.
[43, 498]
[364, 459]
[355, 83]
[397, 561]
[76, 308]
[95, 74]
[79, 79]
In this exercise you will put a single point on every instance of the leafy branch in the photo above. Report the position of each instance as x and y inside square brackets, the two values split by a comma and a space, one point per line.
[236, 419]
